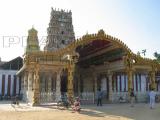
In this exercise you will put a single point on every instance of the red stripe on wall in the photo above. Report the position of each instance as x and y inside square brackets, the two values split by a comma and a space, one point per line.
[15, 83]
[140, 81]
[124, 83]
[9, 85]
[3, 85]
[19, 84]
[120, 83]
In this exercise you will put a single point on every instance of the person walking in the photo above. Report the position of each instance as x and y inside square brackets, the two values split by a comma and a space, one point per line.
[152, 95]
[99, 97]
[132, 95]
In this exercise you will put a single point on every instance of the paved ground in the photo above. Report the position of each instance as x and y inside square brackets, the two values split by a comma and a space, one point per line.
[89, 112]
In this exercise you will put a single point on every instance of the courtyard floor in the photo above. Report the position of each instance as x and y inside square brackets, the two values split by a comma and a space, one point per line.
[140, 111]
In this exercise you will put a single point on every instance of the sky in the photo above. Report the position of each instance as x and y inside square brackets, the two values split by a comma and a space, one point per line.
[135, 22]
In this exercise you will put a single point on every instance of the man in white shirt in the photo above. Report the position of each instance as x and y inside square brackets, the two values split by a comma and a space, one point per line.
[152, 95]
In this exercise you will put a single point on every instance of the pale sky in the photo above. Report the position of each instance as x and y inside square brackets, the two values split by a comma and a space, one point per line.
[135, 22]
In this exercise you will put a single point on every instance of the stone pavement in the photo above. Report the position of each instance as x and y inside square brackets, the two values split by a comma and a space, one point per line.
[140, 111]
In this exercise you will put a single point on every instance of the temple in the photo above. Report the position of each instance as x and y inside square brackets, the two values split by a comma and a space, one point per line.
[82, 66]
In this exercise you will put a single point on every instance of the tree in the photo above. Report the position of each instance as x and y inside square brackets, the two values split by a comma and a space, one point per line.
[138, 53]
[157, 56]
[144, 52]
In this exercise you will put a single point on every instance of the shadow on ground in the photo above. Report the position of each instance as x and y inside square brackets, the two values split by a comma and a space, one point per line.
[92, 111]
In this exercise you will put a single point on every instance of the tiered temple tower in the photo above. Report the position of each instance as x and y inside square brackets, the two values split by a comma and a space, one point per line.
[60, 31]
[32, 41]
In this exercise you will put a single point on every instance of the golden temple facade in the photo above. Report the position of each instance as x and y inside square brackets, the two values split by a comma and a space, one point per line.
[91, 62]
[82, 66]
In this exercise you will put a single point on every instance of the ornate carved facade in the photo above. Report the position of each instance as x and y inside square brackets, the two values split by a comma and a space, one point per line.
[60, 30]
[86, 64]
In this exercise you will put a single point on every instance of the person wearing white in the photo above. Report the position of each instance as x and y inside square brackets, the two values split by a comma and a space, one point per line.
[152, 96]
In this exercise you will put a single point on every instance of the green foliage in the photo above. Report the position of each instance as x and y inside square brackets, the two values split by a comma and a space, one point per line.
[157, 56]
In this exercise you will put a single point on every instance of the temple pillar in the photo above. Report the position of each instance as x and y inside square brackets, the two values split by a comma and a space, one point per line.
[25, 86]
[152, 77]
[21, 91]
[130, 79]
[110, 74]
[36, 89]
[129, 62]
[70, 80]
[25, 80]
[58, 86]
[30, 81]
[29, 89]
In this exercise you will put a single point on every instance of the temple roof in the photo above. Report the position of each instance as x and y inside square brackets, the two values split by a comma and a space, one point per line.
[92, 45]
[32, 30]
[14, 64]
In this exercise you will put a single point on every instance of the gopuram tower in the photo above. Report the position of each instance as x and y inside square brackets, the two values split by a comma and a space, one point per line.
[60, 31]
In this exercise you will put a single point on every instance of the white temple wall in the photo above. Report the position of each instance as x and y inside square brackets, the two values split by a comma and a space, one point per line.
[143, 83]
[139, 85]
[123, 82]
[118, 84]
[8, 73]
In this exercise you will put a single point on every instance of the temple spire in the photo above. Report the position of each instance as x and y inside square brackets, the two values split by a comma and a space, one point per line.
[32, 41]
[60, 31]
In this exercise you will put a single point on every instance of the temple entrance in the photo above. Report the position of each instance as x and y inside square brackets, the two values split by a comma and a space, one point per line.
[64, 81]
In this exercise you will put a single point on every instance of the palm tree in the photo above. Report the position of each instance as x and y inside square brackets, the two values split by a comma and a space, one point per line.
[144, 52]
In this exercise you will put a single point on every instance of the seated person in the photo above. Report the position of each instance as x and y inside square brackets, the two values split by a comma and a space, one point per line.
[76, 106]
